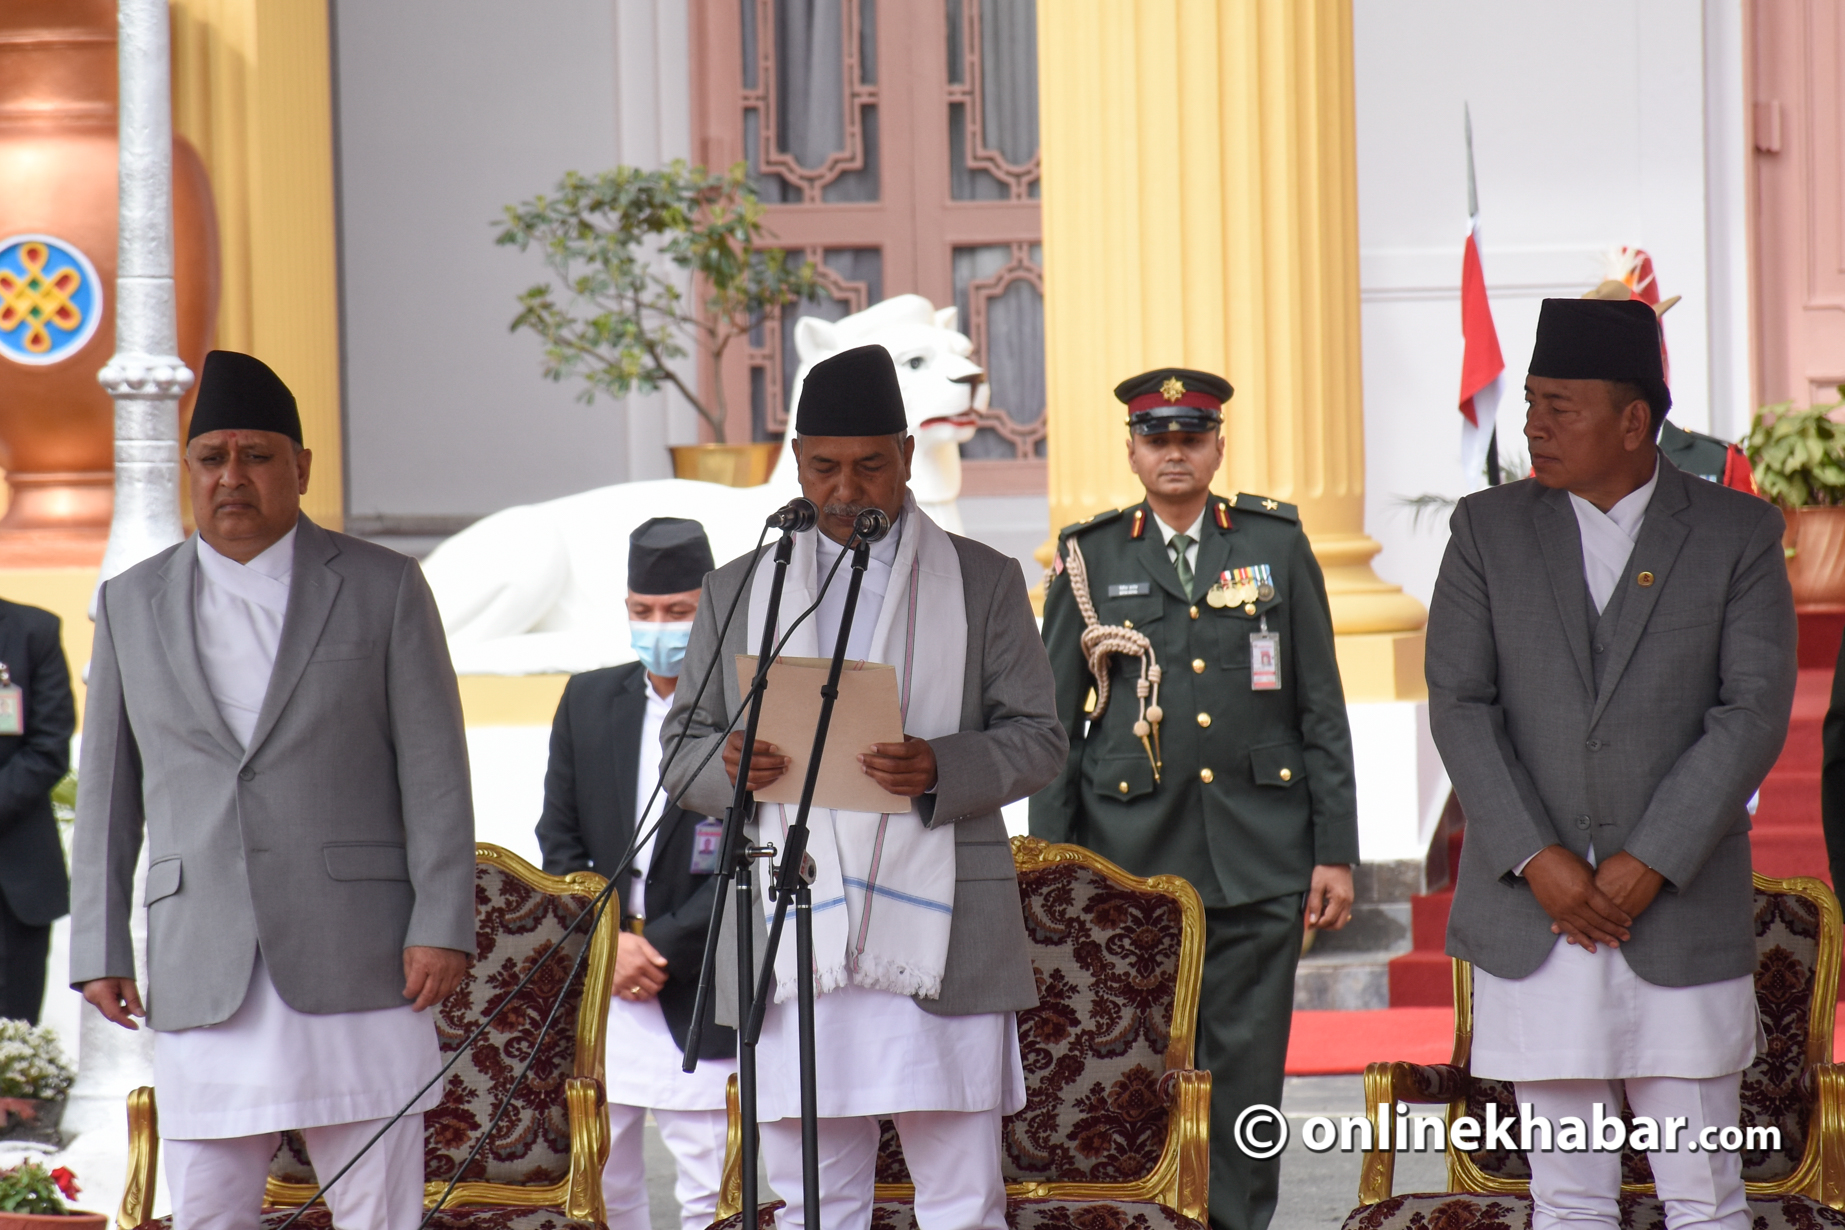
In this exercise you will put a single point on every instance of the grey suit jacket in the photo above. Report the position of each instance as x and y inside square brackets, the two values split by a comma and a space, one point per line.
[1010, 744]
[1646, 730]
[344, 832]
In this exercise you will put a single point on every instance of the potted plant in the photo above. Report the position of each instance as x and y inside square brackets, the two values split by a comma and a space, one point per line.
[1799, 462]
[33, 1081]
[624, 244]
[32, 1198]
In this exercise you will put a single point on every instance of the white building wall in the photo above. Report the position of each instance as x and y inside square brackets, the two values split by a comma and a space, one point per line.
[449, 110]
[1596, 123]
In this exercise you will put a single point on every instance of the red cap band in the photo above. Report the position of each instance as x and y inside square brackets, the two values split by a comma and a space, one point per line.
[1159, 401]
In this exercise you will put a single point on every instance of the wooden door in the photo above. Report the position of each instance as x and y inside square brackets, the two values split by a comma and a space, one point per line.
[865, 126]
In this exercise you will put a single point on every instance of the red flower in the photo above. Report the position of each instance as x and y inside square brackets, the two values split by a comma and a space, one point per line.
[66, 1179]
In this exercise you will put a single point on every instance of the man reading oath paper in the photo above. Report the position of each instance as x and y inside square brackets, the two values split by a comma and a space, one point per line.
[272, 709]
[919, 940]
[1611, 667]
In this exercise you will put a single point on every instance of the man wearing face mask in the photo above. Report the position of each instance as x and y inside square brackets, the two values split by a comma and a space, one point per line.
[605, 758]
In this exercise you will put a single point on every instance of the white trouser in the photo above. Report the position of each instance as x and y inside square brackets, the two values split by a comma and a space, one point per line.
[218, 1184]
[1700, 1190]
[696, 1139]
[953, 1157]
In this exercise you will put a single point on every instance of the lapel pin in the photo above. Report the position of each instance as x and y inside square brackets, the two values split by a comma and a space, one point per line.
[1645, 579]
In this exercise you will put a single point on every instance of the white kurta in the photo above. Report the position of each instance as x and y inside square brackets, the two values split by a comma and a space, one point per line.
[880, 1054]
[1616, 1024]
[642, 1060]
[268, 1067]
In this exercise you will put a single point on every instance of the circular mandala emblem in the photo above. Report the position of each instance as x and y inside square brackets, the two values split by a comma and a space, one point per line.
[50, 299]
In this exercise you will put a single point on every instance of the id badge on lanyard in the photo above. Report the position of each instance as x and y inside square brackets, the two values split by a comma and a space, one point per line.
[12, 704]
[706, 840]
[1265, 660]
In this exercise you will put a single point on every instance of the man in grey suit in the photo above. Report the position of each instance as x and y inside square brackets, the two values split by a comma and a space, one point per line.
[1611, 668]
[271, 705]
[920, 947]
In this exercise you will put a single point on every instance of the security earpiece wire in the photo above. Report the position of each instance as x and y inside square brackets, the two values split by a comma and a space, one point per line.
[593, 911]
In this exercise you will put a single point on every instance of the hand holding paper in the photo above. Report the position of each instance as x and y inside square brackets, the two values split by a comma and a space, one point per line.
[906, 768]
[865, 716]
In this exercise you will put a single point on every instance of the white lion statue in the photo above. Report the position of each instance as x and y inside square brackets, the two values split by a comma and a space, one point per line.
[540, 588]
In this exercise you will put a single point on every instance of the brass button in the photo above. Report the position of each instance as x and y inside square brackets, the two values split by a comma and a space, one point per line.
[1645, 579]
[1194, 612]
[1127, 623]
[1204, 719]
[1124, 787]
[1287, 775]
[1197, 666]
[1206, 776]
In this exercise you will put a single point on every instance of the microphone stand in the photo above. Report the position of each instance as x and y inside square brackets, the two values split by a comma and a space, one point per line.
[734, 860]
[795, 880]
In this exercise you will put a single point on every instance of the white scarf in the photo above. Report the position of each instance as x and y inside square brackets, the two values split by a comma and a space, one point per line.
[1608, 538]
[885, 885]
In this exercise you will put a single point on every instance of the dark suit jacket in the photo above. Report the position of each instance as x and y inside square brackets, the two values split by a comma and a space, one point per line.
[588, 822]
[32, 875]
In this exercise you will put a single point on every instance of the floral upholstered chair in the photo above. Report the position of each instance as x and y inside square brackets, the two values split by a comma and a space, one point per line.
[1793, 1086]
[542, 1167]
[1113, 1135]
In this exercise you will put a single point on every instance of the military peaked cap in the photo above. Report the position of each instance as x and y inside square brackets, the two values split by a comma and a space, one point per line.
[1174, 399]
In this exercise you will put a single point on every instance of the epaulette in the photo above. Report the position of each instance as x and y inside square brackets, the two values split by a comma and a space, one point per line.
[1088, 523]
[1243, 502]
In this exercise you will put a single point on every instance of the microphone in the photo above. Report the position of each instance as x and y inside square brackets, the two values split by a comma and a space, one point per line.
[796, 516]
[870, 526]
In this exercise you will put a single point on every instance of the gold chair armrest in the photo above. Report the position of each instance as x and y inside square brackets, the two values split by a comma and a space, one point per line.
[1188, 1195]
[143, 1159]
[1386, 1084]
[1826, 1133]
[589, 1148]
[730, 1184]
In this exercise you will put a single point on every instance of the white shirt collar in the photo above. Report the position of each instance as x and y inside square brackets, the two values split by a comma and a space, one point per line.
[1166, 531]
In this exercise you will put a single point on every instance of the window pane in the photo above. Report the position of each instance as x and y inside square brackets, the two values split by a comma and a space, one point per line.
[1009, 77]
[1011, 342]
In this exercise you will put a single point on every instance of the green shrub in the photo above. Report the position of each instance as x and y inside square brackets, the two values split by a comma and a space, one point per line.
[31, 1064]
[1798, 455]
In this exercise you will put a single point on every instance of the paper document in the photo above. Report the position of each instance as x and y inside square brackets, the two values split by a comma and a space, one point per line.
[866, 712]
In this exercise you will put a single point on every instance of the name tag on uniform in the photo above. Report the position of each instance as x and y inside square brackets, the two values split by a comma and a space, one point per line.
[1131, 589]
[12, 705]
[1265, 661]
[707, 843]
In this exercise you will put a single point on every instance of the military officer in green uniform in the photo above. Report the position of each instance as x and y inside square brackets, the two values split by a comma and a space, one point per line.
[1212, 744]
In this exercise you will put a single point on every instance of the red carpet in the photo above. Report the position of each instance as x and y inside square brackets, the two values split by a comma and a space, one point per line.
[1329, 1043]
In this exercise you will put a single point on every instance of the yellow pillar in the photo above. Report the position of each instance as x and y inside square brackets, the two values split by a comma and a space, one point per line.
[252, 90]
[1201, 210]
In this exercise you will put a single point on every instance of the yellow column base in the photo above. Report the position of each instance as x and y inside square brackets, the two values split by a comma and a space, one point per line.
[1380, 666]
[511, 700]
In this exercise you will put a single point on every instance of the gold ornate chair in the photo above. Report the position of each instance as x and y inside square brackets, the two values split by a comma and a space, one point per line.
[1793, 1086]
[1115, 1126]
[542, 1169]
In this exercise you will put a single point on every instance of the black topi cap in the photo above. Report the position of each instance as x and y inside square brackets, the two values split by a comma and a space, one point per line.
[668, 555]
[1174, 399]
[238, 392]
[1597, 339]
[854, 393]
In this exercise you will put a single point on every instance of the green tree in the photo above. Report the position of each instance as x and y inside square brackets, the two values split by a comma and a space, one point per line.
[614, 240]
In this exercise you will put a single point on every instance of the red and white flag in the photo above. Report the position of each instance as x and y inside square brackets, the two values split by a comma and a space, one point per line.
[1482, 366]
